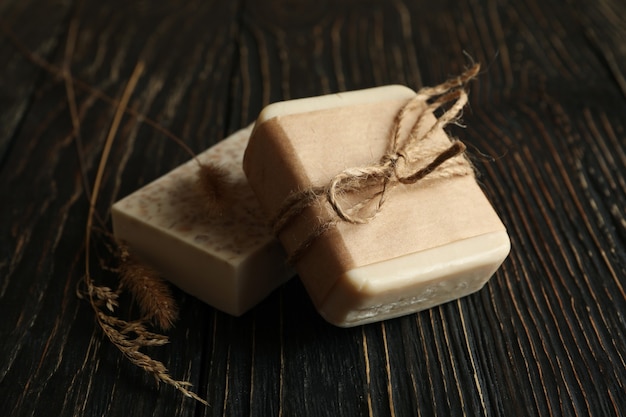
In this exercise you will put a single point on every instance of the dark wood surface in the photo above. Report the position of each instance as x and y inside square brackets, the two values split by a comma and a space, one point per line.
[546, 125]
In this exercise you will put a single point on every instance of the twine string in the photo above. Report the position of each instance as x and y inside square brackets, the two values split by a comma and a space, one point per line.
[372, 183]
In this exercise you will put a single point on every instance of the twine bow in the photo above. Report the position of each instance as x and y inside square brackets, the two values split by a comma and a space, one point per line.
[372, 183]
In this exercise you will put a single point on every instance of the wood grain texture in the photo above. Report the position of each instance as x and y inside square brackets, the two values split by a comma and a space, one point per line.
[545, 128]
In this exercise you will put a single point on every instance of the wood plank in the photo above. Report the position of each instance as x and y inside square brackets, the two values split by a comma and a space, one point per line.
[545, 128]
[20, 78]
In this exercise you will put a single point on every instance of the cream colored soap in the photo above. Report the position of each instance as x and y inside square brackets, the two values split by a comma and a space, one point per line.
[230, 261]
[432, 242]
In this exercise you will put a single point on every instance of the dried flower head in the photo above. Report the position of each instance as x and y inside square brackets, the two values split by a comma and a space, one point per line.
[215, 187]
[149, 290]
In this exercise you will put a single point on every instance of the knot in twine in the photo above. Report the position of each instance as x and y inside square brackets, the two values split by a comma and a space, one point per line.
[372, 183]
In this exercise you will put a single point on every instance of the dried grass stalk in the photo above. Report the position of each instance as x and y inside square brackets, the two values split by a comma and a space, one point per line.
[128, 336]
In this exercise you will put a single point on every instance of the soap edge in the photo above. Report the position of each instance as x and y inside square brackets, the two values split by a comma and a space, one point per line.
[337, 315]
[340, 99]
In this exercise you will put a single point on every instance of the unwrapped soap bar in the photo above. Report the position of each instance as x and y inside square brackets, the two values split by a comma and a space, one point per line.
[433, 241]
[230, 261]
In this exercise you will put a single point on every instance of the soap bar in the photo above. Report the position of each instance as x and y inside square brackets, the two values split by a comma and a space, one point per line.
[433, 241]
[230, 261]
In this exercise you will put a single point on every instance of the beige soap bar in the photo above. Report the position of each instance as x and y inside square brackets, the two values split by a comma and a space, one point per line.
[230, 261]
[432, 242]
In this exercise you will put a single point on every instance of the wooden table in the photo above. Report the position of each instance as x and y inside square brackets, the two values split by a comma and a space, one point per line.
[546, 127]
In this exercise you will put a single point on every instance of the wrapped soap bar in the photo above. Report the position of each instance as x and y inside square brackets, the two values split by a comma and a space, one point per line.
[229, 260]
[418, 231]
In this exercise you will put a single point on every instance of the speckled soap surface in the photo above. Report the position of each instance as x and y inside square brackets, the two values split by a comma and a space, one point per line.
[229, 260]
